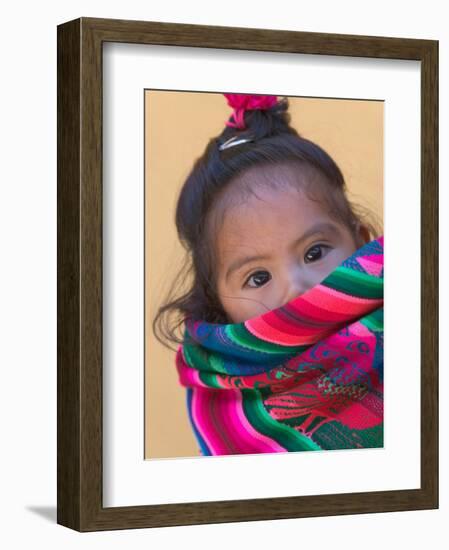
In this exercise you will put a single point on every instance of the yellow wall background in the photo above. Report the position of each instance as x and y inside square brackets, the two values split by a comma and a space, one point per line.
[178, 126]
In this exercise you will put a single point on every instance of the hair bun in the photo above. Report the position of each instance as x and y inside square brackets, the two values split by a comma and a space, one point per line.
[247, 102]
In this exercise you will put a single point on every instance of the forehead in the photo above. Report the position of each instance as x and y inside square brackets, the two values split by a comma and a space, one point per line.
[289, 186]
[263, 181]
[270, 215]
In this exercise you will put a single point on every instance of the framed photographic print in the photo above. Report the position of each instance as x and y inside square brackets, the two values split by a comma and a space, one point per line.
[351, 131]
[227, 201]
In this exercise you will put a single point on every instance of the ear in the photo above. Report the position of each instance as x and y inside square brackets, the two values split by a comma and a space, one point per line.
[362, 234]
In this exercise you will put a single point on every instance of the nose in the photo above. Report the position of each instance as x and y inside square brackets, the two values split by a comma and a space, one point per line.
[295, 286]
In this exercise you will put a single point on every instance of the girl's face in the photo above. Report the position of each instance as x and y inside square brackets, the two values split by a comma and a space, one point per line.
[274, 247]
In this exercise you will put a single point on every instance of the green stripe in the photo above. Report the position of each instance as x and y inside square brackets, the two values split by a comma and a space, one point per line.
[288, 437]
[335, 435]
[209, 379]
[203, 360]
[374, 320]
[355, 283]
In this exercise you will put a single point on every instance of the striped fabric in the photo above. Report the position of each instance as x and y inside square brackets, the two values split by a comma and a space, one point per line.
[306, 376]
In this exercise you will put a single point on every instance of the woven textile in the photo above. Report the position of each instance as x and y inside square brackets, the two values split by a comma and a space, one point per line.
[305, 376]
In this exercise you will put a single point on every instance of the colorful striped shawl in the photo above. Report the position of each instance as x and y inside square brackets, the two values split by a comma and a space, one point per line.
[305, 376]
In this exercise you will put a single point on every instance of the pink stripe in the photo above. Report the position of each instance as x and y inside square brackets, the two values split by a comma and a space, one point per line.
[360, 330]
[187, 375]
[232, 432]
[269, 334]
[200, 415]
[234, 426]
[372, 264]
[264, 442]
[325, 303]
[240, 441]
[339, 302]
[306, 317]
[314, 310]
[247, 437]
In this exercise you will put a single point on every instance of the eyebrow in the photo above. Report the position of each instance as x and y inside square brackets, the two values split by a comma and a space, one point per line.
[321, 227]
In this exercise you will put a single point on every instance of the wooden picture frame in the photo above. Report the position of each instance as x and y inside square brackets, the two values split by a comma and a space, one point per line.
[80, 272]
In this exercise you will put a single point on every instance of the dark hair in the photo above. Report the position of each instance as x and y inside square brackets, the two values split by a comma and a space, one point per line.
[274, 142]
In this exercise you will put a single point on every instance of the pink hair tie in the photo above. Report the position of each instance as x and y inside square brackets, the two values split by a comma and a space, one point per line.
[247, 102]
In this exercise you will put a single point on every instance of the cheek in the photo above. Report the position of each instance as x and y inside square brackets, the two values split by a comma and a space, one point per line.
[332, 260]
[340, 255]
[229, 296]
[223, 289]
[235, 309]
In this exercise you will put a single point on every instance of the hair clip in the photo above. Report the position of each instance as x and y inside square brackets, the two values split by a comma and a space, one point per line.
[235, 140]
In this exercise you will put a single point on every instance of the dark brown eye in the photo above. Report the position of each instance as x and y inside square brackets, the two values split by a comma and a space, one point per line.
[259, 278]
[315, 253]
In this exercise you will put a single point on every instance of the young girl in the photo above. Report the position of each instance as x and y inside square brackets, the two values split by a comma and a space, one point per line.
[282, 345]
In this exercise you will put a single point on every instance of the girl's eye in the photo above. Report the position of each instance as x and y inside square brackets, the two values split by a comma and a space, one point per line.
[315, 253]
[259, 278]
